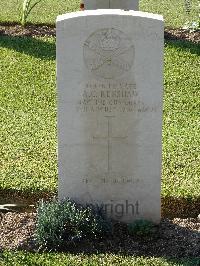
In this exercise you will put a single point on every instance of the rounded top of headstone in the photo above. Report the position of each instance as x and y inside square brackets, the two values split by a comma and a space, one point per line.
[111, 4]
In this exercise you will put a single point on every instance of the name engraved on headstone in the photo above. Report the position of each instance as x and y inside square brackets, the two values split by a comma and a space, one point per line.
[108, 97]
[108, 53]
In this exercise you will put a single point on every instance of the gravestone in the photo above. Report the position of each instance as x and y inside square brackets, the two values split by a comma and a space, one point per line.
[111, 4]
[110, 82]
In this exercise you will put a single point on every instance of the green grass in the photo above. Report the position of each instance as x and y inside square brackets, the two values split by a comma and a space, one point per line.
[61, 259]
[181, 169]
[46, 11]
[28, 114]
[173, 11]
[28, 117]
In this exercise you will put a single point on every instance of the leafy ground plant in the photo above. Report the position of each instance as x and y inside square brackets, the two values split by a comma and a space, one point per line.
[60, 223]
[141, 227]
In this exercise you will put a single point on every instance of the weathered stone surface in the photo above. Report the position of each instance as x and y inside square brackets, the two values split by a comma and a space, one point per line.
[110, 79]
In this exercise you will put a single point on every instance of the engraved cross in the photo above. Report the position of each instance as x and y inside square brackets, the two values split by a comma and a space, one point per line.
[109, 138]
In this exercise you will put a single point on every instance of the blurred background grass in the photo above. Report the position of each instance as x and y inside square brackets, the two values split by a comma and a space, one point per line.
[47, 10]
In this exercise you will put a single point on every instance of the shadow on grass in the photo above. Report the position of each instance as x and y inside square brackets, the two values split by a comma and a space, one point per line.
[172, 207]
[193, 48]
[36, 47]
[13, 196]
[41, 48]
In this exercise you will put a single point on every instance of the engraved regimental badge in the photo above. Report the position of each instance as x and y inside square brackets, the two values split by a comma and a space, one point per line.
[108, 53]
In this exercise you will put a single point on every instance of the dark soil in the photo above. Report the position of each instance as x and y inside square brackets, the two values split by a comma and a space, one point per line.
[30, 30]
[181, 34]
[177, 238]
[49, 30]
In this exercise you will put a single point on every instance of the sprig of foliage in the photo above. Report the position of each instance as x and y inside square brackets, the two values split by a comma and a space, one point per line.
[27, 7]
[60, 223]
[188, 6]
[194, 25]
[141, 227]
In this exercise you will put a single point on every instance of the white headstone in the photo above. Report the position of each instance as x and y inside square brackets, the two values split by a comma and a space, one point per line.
[111, 4]
[110, 83]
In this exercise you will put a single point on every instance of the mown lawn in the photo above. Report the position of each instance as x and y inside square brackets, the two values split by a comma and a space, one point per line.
[28, 117]
[28, 114]
[46, 12]
[64, 259]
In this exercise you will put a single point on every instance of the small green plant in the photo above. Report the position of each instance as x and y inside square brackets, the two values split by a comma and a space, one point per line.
[141, 227]
[27, 7]
[60, 223]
